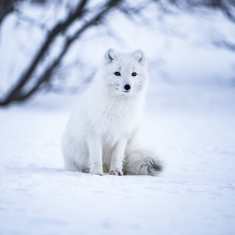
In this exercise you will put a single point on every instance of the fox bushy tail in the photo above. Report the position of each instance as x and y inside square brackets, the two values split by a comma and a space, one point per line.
[142, 162]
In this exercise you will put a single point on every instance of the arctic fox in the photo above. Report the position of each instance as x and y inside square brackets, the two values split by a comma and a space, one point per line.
[100, 135]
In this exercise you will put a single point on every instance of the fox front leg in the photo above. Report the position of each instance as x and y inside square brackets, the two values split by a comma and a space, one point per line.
[95, 156]
[118, 155]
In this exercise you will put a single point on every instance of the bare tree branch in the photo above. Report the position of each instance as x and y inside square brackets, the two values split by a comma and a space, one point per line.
[89, 16]
[6, 7]
[46, 76]
[17, 93]
[225, 45]
[60, 27]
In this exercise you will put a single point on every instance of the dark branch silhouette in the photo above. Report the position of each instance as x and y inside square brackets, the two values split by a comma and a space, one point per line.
[18, 92]
[82, 12]
[6, 7]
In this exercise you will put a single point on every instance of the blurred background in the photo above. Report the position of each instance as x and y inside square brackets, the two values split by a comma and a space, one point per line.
[55, 46]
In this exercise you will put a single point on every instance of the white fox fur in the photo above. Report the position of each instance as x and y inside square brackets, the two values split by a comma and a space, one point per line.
[101, 132]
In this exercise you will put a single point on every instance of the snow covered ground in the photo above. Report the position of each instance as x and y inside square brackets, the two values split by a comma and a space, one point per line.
[193, 130]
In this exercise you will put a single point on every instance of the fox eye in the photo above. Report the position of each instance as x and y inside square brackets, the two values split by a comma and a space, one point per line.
[133, 74]
[117, 73]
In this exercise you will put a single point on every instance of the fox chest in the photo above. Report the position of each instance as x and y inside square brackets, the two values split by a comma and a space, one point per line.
[117, 123]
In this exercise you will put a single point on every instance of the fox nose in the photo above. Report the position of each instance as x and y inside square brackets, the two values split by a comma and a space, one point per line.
[127, 87]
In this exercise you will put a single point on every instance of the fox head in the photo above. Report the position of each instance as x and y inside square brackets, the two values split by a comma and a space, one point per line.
[125, 73]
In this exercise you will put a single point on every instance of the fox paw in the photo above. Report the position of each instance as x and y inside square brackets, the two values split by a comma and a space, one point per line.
[116, 172]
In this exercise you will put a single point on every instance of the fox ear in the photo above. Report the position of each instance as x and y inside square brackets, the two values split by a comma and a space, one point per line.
[110, 55]
[139, 56]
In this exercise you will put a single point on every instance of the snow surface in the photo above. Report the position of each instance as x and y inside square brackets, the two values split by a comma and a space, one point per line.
[193, 132]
